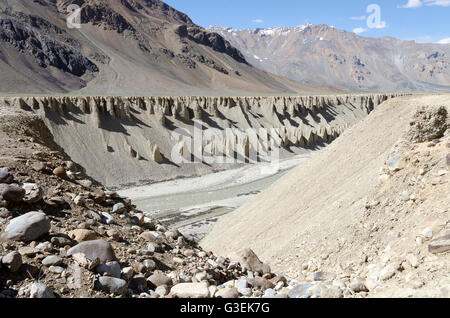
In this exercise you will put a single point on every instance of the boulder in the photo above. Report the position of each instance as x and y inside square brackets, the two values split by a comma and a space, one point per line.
[95, 249]
[248, 260]
[27, 227]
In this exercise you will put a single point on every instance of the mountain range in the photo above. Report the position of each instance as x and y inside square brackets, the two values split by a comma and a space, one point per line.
[314, 54]
[123, 47]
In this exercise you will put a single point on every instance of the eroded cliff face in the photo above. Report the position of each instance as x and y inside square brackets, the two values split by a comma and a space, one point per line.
[125, 141]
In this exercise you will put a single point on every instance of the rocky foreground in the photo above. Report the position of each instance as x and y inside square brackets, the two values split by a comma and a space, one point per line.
[65, 235]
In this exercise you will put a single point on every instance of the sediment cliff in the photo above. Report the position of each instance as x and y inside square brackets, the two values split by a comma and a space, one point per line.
[124, 141]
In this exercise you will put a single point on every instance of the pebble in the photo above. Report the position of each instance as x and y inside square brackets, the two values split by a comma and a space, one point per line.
[52, 260]
[191, 290]
[5, 213]
[109, 269]
[12, 261]
[39, 290]
[248, 260]
[12, 193]
[270, 293]
[119, 208]
[6, 176]
[162, 290]
[60, 172]
[33, 193]
[160, 279]
[56, 269]
[227, 293]
[127, 273]
[82, 235]
[111, 285]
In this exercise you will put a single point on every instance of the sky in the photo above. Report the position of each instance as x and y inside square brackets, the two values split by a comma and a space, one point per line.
[419, 20]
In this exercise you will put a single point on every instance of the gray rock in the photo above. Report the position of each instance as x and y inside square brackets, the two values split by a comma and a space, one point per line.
[300, 291]
[162, 290]
[227, 293]
[12, 261]
[358, 285]
[56, 269]
[261, 283]
[95, 249]
[11, 193]
[6, 176]
[111, 285]
[61, 241]
[324, 276]
[191, 290]
[27, 227]
[33, 193]
[109, 269]
[248, 260]
[119, 208]
[85, 183]
[107, 218]
[160, 279]
[270, 293]
[52, 260]
[39, 290]
[95, 216]
[5, 213]
[440, 245]
[395, 163]
[138, 283]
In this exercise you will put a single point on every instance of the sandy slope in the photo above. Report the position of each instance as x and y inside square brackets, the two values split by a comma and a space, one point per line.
[315, 214]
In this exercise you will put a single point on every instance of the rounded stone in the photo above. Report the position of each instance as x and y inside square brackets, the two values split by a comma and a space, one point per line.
[27, 227]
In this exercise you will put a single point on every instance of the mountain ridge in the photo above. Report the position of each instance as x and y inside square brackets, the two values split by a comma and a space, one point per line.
[124, 47]
[323, 54]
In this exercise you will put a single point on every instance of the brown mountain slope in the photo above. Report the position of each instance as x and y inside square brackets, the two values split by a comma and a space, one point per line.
[133, 47]
[321, 54]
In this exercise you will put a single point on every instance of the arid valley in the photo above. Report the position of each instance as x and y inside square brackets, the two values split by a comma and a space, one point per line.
[146, 156]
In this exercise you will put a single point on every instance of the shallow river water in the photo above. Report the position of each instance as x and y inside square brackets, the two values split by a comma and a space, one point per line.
[193, 204]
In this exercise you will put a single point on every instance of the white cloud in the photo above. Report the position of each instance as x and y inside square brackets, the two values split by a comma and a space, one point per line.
[411, 4]
[258, 21]
[429, 3]
[359, 30]
[361, 18]
[440, 3]
[444, 41]
[381, 25]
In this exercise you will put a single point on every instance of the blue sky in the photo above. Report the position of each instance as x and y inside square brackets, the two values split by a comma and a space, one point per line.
[419, 20]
